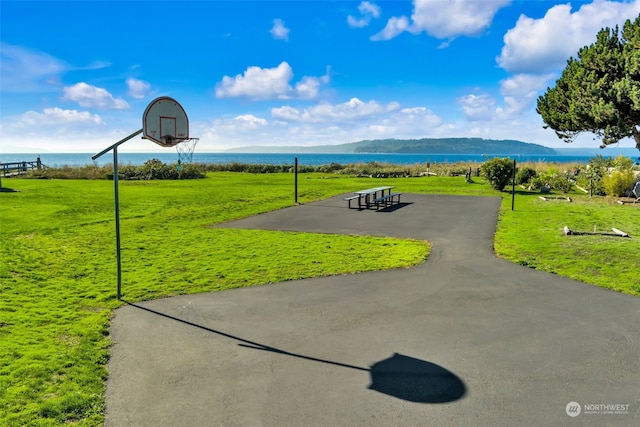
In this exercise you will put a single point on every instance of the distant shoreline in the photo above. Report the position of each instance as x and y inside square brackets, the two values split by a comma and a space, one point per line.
[170, 156]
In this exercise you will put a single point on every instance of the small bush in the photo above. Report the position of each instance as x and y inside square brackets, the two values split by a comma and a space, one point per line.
[623, 163]
[498, 172]
[190, 171]
[596, 170]
[618, 183]
[553, 180]
[525, 175]
[563, 182]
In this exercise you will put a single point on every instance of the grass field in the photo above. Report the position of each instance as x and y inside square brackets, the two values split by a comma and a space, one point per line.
[532, 236]
[57, 276]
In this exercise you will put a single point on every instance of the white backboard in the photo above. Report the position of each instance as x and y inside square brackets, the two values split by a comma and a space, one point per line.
[165, 122]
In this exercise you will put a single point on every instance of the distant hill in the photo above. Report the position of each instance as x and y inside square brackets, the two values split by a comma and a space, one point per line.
[415, 146]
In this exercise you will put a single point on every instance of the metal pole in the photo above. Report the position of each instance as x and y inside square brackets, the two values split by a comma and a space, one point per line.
[117, 205]
[296, 180]
[513, 185]
[123, 140]
[114, 147]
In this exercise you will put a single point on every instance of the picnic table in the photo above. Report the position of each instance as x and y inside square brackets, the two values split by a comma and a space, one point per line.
[369, 197]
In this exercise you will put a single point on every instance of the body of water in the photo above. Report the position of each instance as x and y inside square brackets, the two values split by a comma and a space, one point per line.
[81, 159]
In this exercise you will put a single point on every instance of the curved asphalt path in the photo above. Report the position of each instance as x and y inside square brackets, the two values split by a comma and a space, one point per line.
[464, 339]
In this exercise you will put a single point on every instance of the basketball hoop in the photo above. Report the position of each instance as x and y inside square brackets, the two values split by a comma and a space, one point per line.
[165, 122]
[185, 149]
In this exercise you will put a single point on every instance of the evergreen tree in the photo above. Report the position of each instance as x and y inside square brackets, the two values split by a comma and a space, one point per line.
[598, 92]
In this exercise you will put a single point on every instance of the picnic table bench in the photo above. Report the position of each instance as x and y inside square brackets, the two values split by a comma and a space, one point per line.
[386, 200]
[370, 197]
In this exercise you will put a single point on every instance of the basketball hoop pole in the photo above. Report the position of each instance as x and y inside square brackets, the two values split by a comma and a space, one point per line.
[122, 141]
[114, 147]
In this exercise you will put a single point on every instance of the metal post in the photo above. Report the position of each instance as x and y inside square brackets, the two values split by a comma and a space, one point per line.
[296, 180]
[114, 147]
[513, 185]
[117, 209]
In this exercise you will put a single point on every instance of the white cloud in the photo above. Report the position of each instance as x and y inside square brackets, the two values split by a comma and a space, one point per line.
[96, 65]
[58, 116]
[249, 121]
[89, 96]
[367, 11]
[395, 26]
[279, 31]
[420, 115]
[521, 91]
[309, 87]
[351, 110]
[52, 129]
[322, 124]
[242, 130]
[454, 18]
[269, 83]
[478, 107]
[258, 83]
[138, 89]
[444, 19]
[519, 94]
[25, 70]
[357, 22]
[413, 122]
[545, 44]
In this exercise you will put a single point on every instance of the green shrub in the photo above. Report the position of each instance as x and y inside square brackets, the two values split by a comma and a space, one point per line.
[539, 181]
[622, 162]
[189, 171]
[69, 172]
[498, 172]
[618, 183]
[155, 169]
[152, 169]
[597, 169]
[563, 182]
[553, 180]
[525, 175]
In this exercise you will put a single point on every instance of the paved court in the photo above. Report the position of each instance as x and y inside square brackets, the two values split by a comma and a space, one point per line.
[464, 339]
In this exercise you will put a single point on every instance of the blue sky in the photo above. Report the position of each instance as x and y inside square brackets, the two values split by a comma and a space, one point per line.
[76, 76]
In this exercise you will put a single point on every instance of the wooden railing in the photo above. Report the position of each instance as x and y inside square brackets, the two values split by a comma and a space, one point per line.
[18, 168]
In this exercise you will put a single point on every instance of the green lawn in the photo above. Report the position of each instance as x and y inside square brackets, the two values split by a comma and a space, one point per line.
[532, 235]
[57, 276]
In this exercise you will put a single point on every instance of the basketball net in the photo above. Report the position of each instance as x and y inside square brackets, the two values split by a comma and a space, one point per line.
[185, 149]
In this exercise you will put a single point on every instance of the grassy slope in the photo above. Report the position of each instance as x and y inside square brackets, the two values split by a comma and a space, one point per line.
[57, 277]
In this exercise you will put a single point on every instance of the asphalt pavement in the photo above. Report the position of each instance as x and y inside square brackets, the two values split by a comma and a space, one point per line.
[463, 339]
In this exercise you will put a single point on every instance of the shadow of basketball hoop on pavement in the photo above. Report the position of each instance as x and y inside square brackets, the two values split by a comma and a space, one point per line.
[399, 376]
[415, 380]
